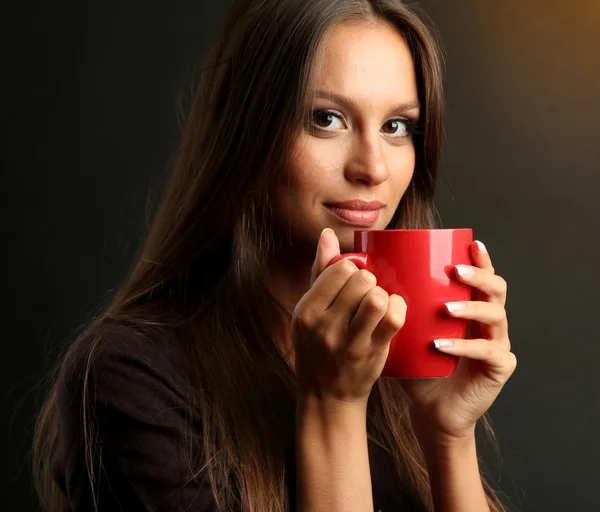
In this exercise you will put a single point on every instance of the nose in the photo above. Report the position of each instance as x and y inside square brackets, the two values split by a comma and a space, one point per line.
[367, 162]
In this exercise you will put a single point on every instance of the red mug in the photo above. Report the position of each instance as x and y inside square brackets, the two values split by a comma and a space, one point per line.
[418, 264]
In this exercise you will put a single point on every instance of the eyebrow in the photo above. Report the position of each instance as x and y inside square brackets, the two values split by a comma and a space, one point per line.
[345, 102]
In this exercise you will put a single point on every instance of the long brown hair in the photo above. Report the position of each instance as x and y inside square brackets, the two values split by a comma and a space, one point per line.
[199, 271]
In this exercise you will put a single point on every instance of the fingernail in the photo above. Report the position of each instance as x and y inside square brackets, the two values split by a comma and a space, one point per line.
[465, 270]
[326, 229]
[480, 246]
[453, 307]
[443, 343]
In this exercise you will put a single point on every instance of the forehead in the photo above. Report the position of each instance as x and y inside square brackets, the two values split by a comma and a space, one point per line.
[366, 60]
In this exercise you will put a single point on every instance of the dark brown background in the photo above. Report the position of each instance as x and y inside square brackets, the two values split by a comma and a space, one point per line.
[88, 103]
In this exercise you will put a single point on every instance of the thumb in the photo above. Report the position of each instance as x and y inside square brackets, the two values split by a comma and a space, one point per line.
[327, 249]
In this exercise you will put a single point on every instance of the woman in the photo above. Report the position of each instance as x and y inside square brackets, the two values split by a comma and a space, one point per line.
[236, 370]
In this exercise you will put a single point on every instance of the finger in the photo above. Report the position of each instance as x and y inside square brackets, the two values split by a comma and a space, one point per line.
[328, 248]
[324, 291]
[373, 307]
[392, 321]
[481, 257]
[347, 302]
[499, 362]
[488, 313]
[492, 286]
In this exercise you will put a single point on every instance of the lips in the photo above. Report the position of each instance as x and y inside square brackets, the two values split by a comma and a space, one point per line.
[356, 212]
[357, 204]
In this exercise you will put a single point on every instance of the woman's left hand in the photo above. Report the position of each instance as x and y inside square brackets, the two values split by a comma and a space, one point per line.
[449, 408]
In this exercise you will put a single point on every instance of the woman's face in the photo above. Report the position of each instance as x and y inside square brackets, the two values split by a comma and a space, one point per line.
[358, 148]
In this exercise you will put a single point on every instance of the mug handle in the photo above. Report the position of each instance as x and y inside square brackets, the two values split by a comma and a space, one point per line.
[360, 259]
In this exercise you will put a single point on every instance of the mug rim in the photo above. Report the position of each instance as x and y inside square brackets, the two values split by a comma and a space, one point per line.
[417, 230]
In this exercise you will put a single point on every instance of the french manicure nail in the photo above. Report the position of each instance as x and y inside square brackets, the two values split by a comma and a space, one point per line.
[465, 271]
[443, 343]
[453, 307]
[480, 246]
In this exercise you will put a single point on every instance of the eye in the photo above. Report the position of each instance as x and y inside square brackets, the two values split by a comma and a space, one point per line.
[399, 127]
[327, 120]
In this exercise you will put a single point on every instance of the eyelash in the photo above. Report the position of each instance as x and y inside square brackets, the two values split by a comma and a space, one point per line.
[412, 127]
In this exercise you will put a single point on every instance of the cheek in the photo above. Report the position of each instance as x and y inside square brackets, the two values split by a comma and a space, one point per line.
[402, 170]
[313, 163]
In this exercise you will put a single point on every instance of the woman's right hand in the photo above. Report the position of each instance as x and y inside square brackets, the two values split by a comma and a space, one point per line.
[342, 328]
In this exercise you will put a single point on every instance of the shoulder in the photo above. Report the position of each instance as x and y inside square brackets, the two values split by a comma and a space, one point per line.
[129, 383]
[127, 371]
[105, 339]
[110, 353]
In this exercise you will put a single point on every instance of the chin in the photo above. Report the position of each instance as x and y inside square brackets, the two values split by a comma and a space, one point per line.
[346, 238]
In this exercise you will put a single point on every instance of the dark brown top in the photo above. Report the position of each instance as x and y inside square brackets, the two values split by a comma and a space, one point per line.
[145, 427]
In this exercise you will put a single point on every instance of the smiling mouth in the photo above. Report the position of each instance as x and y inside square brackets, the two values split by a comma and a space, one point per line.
[355, 217]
